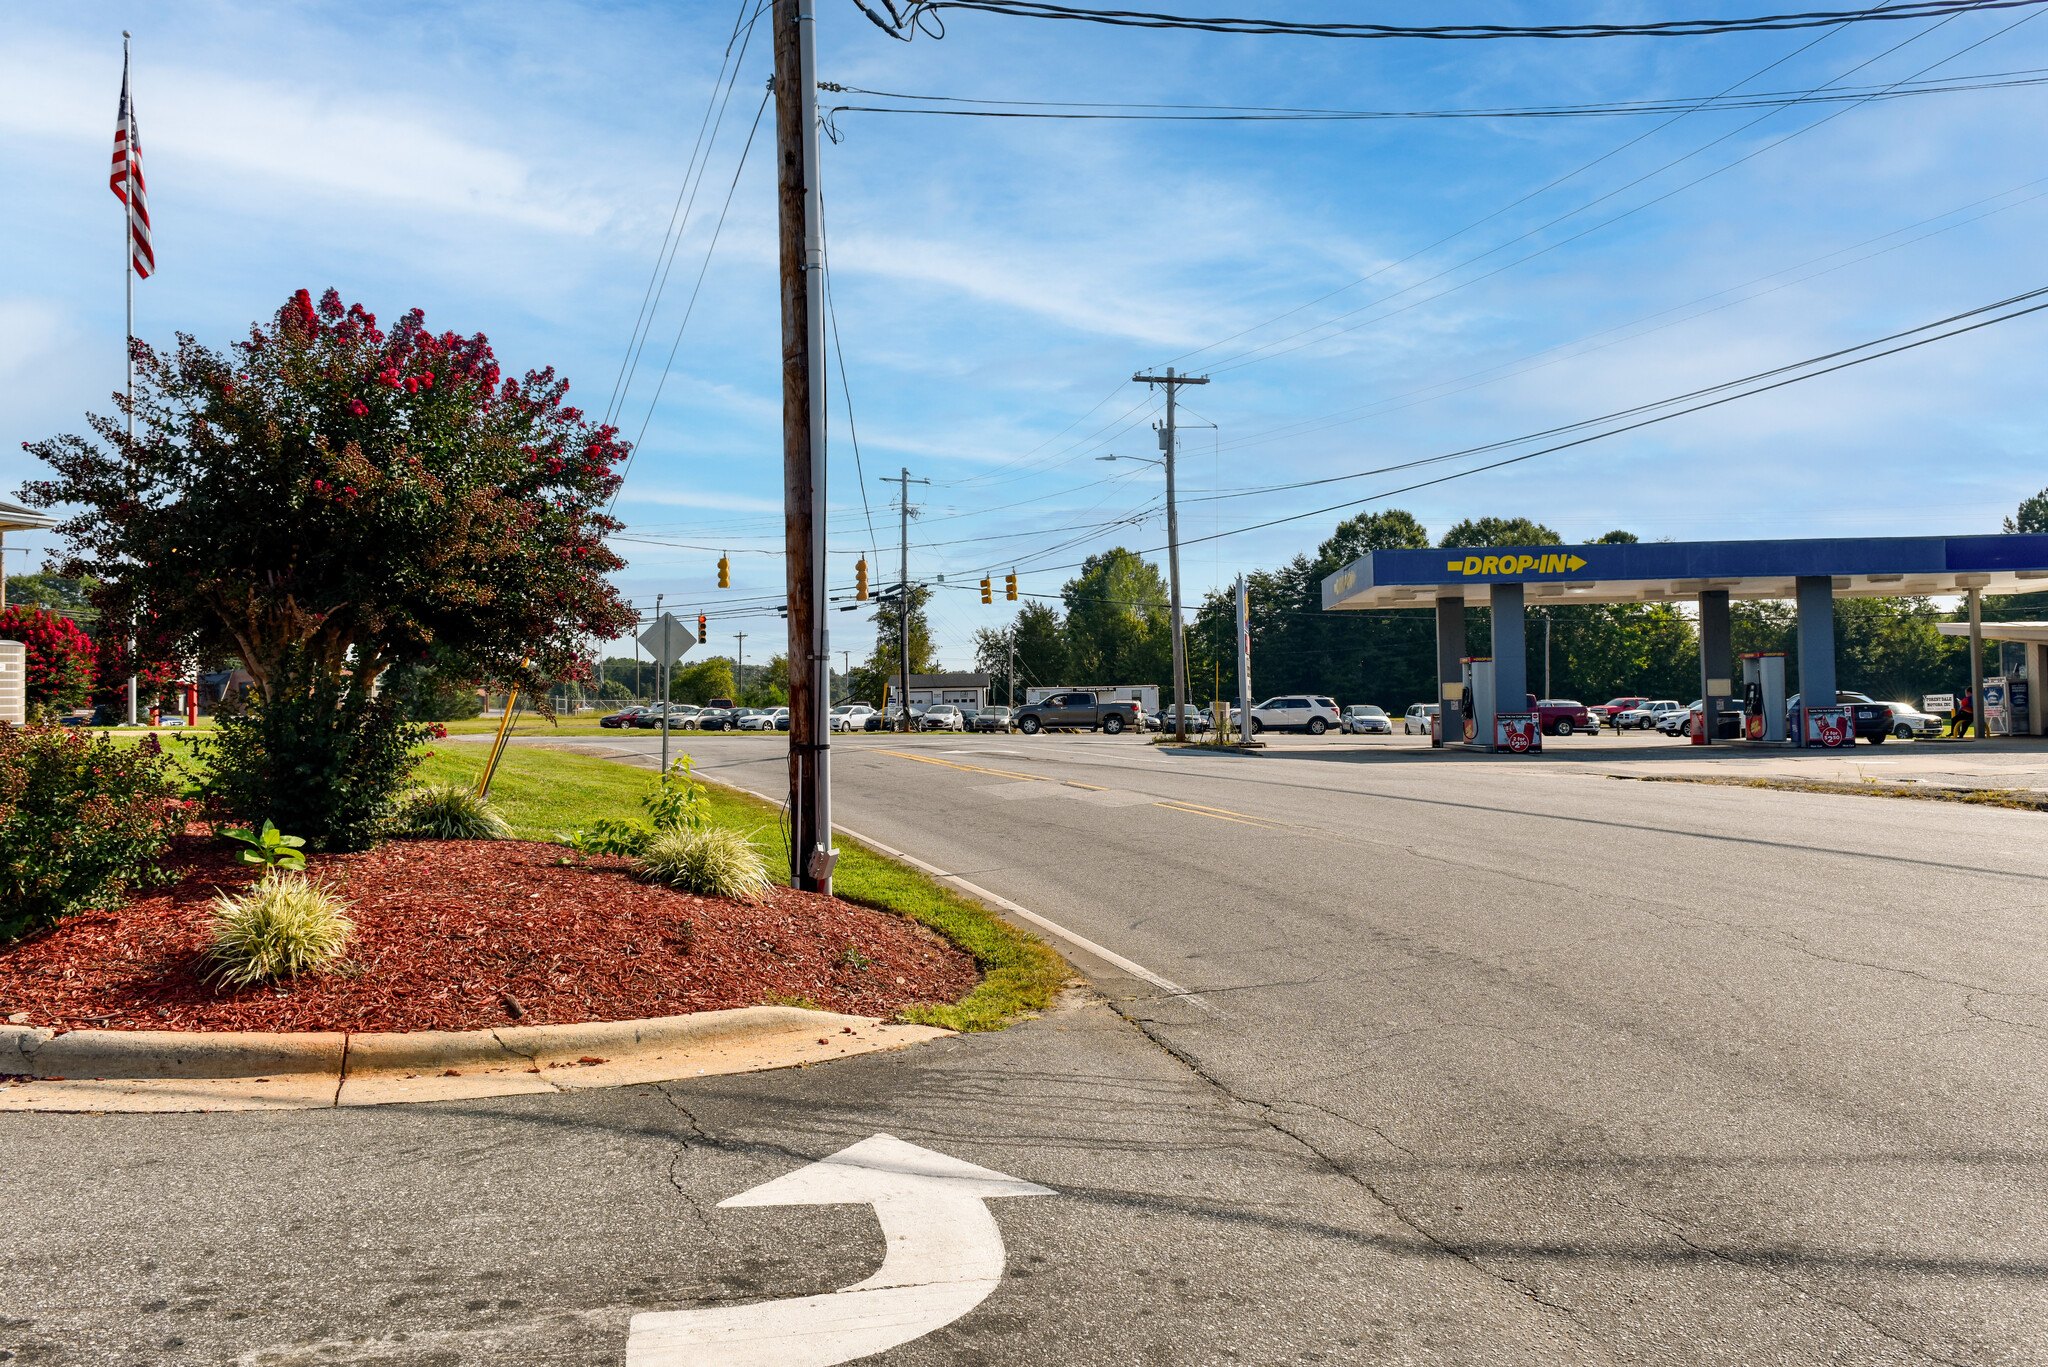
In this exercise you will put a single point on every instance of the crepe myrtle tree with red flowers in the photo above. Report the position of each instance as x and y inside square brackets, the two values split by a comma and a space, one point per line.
[330, 498]
[62, 659]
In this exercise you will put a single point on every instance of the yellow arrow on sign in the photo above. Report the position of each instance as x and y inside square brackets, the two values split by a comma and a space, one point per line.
[1574, 563]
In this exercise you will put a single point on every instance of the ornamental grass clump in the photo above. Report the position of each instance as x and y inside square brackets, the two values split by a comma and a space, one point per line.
[285, 925]
[714, 862]
[448, 811]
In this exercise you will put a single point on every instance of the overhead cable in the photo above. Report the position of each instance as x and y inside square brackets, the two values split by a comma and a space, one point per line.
[1666, 28]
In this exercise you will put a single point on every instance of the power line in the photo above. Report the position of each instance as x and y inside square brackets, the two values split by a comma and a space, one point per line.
[709, 248]
[1668, 28]
[1208, 113]
[685, 205]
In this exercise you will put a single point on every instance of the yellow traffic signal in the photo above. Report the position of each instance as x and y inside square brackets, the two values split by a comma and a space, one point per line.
[860, 580]
[702, 635]
[724, 573]
[986, 596]
[1010, 587]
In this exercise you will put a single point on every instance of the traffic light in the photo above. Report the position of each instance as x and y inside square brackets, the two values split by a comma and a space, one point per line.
[1010, 587]
[724, 573]
[702, 634]
[986, 596]
[860, 580]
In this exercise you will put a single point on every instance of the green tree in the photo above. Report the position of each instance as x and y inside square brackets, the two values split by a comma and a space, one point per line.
[1482, 532]
[1117, 622]
[699, 683]
[2032, 515]
[1041, 651]
[872, 680]
[65, 597]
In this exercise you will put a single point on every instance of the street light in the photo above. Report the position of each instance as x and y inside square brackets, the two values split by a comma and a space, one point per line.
[1160, 463]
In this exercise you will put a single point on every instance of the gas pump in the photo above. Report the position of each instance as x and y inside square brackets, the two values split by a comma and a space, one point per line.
[1763, 696]
[1479, 708]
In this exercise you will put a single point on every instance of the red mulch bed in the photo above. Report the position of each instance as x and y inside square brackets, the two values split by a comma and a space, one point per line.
[451, 933]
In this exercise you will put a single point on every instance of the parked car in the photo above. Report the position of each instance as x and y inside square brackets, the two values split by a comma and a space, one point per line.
[851, 716]
[623, 718]
[1562, 717]
[760, 718]
[1872, 719]
[680, 717]
[1364, 719]
[1197, 719]
[942, 716]
[1646, 714]
[893, 718]
[716, 719]
[782, 719]
[1678, 721]
[1296, 712]
[1415, 721]
[1609, 712]
[1909, 722]
[1078, 712]
[993, 719]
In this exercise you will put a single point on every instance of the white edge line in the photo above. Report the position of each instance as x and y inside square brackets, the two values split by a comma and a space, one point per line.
[1108, 956]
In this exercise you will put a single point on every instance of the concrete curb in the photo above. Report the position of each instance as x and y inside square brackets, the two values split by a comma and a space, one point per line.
[158, 1070]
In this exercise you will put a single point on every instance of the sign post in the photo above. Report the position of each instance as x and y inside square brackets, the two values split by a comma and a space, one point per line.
[667, 641]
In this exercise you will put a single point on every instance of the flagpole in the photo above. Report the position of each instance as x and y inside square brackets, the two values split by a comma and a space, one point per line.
[128, 277]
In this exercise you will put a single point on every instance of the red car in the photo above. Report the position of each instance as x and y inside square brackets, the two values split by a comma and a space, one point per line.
[1605, 714]
[1560, 717]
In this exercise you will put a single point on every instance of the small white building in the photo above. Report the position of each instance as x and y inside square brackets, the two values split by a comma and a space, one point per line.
[962, 690]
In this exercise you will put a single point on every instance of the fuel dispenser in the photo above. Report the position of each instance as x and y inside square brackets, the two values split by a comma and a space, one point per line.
[1478, 710]
[1763, 696]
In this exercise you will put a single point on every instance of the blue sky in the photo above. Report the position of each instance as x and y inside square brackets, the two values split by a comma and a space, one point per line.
[511, 169]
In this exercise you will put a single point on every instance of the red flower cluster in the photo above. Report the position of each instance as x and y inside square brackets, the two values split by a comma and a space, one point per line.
[61, 658]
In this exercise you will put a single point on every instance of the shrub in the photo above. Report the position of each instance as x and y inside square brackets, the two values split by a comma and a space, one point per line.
[285, 925]
[715, 862]
[605, 836]
[448, 811]
[317, 758]
[677, 801]
[61, 658]
[82, 820]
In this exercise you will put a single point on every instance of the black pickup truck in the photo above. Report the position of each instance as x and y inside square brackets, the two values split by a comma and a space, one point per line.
[1078, 712]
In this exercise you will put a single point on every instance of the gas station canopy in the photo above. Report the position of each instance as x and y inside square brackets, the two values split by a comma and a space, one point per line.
[1667, 571]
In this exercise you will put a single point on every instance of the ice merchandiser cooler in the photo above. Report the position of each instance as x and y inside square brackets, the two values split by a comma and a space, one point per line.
[1479, 703]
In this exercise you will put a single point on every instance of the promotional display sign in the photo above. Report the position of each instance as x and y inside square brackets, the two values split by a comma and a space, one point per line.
[1830, 728]
[1938, 703]
[1997, 720]
[1436, 727]
[1518, 733]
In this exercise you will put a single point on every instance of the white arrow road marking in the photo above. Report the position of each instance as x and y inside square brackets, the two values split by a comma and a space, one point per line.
[945, 1255]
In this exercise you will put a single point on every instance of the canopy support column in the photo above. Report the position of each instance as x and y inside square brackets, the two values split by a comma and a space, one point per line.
[1717, 683]
[1450, 666]
[1510, 652]
[1816, 598]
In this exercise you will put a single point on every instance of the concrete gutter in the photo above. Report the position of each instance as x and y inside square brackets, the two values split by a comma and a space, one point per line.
[163, 1070]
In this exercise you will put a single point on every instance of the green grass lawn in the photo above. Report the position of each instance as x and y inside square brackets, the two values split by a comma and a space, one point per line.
[544, 793]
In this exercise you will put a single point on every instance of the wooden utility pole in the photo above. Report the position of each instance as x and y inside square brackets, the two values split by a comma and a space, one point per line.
[1173, 383]
[803, 443]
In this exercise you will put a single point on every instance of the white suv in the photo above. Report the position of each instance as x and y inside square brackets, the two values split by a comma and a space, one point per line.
[1647, 715]
[1415, 722]
[1296, 712]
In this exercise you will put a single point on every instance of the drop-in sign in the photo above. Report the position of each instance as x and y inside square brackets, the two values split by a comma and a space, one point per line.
[945, 1255]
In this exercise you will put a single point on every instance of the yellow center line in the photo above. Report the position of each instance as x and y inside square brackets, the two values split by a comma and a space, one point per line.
[1219, 811]
[965, 768]
[1256, 822]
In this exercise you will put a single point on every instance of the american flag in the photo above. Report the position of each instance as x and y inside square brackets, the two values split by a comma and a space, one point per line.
[126, 182]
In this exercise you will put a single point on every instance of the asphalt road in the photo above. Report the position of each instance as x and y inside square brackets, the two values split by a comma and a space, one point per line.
[1478, 1062]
